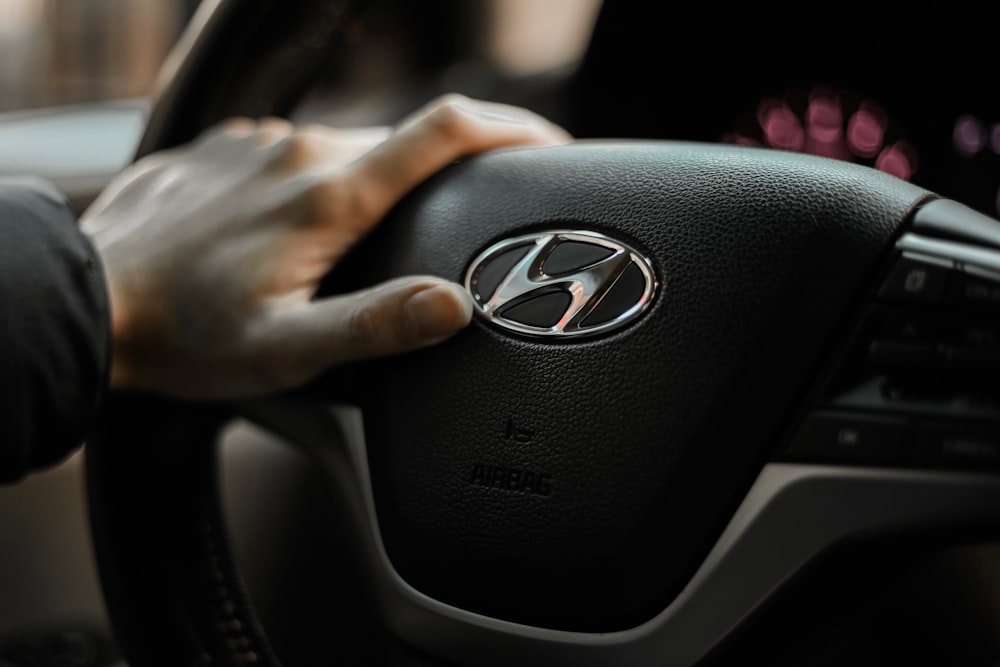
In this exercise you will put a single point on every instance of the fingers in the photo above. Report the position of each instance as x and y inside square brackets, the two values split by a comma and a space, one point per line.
[450, 128]
[296, 344]
[236, 230]
[343, 145]
[303, 340]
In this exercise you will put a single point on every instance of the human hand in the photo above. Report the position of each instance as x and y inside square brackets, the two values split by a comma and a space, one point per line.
[213, 251]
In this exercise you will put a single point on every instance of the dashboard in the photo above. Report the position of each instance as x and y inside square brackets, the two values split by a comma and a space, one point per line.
[908, 93]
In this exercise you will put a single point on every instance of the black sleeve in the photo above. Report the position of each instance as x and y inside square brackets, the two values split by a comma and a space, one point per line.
[55, 330]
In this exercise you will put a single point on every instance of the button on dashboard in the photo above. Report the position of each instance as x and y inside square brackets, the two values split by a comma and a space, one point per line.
[956, 445]
[970, 291]
[849, 437]
[918, 382]
[911, 280]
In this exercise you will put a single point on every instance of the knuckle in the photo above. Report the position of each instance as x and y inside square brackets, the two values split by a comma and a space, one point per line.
[236, 125]
[329, 199]
[450, 120]
[315, 145]
[375, 327]
[276, 374]
[363, 329]
[231, 129]
[278, 366]
[275, 127]
[317, 130]
[450, 99]
[308, 146]
[299, 150]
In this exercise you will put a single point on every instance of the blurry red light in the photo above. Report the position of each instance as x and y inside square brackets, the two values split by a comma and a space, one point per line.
[866, 132]
[834, 124]
[896, 161]
[781, 127]
[969, 135]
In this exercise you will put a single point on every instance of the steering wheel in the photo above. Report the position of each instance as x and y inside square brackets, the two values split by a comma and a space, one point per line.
[693, 369]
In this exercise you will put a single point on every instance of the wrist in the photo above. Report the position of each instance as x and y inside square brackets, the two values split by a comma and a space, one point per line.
[121, 371]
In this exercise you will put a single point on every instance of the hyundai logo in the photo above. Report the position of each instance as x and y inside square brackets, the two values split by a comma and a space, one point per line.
[560, 283]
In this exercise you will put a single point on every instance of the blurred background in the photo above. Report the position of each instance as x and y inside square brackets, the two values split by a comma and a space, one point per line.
[57, 52]
[854, 90]
[76, 76]
[60, 52]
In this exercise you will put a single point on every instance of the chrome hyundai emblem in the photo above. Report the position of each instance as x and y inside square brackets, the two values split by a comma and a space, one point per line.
[560, 283]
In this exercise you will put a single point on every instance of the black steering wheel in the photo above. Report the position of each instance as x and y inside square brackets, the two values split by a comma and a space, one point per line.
[693, 368]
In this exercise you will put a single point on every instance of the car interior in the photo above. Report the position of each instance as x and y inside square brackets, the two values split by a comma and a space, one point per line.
[776, 443]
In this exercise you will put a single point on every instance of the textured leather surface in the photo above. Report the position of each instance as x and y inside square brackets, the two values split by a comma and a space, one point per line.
[647, 437]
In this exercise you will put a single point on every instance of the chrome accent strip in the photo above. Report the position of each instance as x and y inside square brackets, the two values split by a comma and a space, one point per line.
[973, 259]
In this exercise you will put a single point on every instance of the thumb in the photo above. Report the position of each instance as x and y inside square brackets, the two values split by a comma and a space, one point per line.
[397, 316]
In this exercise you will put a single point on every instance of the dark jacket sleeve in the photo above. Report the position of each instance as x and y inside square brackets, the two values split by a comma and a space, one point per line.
[55, 327]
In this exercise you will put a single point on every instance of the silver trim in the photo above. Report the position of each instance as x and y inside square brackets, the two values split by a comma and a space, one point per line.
[791, 514]
[586, 287]
[977, 260]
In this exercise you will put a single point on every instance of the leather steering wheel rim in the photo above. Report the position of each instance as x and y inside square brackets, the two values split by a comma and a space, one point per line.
[805, 238]
[237, 57]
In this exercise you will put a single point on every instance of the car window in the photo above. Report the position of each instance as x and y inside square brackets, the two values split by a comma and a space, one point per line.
[61, 52]
[76, 76]
[57, 52]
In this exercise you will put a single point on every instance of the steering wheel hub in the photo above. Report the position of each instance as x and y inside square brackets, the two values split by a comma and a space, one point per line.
[560, 283]
[646, 437]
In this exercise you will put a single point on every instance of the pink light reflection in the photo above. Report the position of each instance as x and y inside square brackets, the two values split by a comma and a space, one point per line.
[898, 160]
[782, 128]
[866, 132]
[969, 135]
[995, 138]
[765, 107]
[826, 128]
[824, 118]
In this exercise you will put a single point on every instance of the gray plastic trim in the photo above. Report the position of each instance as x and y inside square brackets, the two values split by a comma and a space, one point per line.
[792, 514]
